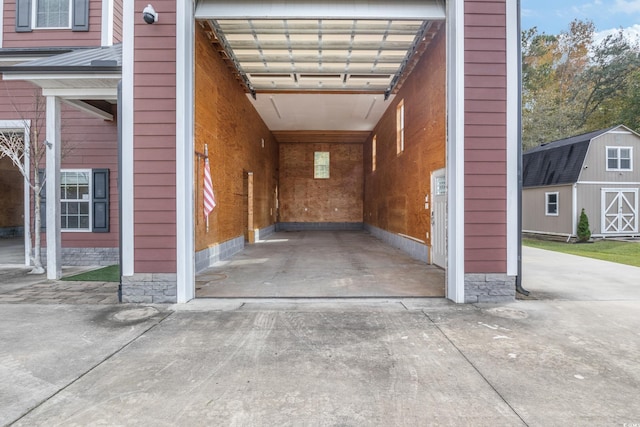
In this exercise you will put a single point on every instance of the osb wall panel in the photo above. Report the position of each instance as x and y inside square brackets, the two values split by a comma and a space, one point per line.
[11, 195]
[305, 199]
[233, 131]
[394, 195]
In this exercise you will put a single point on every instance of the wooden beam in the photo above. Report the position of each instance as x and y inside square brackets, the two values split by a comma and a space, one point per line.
[321, 136]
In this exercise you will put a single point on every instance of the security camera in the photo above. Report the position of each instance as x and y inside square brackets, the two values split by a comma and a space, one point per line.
[150, 15]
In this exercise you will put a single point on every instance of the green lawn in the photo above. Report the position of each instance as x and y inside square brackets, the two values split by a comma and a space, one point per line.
[105, 274]
[607, 250]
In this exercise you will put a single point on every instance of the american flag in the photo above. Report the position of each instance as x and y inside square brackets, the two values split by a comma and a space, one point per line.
[209, 198]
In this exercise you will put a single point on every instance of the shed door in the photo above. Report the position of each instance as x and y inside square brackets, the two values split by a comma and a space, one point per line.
[620, 211]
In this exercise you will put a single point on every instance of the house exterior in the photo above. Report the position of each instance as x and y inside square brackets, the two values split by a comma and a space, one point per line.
[598, 172]
[422, 149]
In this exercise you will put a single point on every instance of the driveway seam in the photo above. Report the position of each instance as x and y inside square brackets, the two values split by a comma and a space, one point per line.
[486, 380]
[87, 372]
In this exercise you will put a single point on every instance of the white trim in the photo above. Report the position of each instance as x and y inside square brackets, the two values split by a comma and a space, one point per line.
[607, 183]
[185, 239]
[53, 156]
[110, 94]
[126, 173]
[574, 209]
[546, 203]
[455, 150]
[398, 9]
[618, 169]
[513, 132]
[106, 33]
[603, 210]
[25, 127]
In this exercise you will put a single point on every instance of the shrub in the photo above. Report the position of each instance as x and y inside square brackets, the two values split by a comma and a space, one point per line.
[583, 227]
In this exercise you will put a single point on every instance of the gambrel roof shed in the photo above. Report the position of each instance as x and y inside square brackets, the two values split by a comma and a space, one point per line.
[558, 162]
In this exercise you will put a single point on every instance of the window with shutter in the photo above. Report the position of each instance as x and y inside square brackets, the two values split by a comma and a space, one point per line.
[52, 14]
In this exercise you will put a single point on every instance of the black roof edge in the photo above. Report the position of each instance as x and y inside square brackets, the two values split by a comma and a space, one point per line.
[69, 70]
[38, 51]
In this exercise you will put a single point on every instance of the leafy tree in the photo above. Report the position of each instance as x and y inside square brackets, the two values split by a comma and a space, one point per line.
[572, 84]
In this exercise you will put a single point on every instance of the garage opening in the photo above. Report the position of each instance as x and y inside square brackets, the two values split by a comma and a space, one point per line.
[325, 133]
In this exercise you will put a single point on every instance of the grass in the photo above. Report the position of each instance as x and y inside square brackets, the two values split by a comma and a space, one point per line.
[606, 250]
[105, 274]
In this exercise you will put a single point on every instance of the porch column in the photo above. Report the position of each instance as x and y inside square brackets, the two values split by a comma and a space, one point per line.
[53, 141]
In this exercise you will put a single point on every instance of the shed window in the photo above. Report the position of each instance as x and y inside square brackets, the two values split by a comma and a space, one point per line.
[619, 158]
[551, 204]
[321, 165]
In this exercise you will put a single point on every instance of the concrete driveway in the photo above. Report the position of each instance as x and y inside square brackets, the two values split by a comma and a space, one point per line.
[570, 357]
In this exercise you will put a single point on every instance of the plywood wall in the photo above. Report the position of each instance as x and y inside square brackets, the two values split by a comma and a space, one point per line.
[306, 199]
[234, 133]
[394, 195]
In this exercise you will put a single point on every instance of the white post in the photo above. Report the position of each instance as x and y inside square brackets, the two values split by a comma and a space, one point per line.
[27, 195]
[53, 141]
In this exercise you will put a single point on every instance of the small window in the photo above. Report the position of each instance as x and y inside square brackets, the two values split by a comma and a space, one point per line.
[400, 127]
[619, 158]
[75, 200]
[552, 204]
[321, 165]
[374, 143]
[52, 13]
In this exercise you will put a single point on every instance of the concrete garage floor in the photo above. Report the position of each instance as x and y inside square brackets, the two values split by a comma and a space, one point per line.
[316, 264]
[569, 356]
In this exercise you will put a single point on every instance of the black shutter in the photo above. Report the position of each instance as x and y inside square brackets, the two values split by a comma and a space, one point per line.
[23, 16]
[80, 15]
[100, 200]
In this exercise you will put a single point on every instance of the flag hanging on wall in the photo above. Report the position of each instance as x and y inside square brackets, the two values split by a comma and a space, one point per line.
[209, 198]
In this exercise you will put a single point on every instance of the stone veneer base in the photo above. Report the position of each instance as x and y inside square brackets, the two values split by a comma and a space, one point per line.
[481, 287]
[152, 288]
[414, 249]
[86, 256]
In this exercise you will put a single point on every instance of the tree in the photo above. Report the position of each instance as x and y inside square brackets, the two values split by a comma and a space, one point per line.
[584, 233]
[28, 154]
[572, 84]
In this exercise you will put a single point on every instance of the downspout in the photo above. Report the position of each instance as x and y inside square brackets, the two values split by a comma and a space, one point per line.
[119, 123]
[519, 287]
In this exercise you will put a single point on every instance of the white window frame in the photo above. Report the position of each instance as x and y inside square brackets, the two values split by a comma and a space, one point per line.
[320, 168]
[400, 124]
[546, 203]
[618, 159]
[374, 153]
[34, 17]
[89, 172]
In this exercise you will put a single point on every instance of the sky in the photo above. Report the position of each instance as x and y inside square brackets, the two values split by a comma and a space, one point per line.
[554, 16]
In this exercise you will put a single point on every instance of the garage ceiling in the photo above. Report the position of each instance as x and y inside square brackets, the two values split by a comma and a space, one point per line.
[321, 65]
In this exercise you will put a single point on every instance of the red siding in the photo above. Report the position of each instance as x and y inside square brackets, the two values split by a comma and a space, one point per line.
[52, 38]
[155, 142]
[485, 136]
[90, 143]
[117, 21]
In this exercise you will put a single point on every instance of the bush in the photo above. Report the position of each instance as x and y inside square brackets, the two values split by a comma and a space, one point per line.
[583, 227]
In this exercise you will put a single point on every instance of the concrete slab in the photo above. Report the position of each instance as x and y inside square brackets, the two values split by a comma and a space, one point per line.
[320, 264]
[263, 367]
[45, 348]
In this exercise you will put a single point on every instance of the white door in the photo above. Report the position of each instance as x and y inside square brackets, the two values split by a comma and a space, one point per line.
[439, 218]
[620, 211]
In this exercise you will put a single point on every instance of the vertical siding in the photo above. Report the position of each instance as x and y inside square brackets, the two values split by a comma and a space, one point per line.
[485, 136]
[155, 142]
[534, 217]
[89, 143]
[595, 169]
[52, 38]
[226, 121]
[117, 21]
[394, 194]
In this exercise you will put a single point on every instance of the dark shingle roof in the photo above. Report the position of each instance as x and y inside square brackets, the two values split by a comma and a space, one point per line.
[557, 162]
